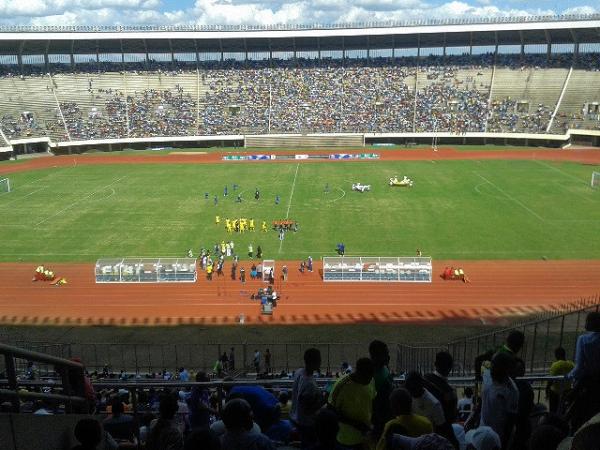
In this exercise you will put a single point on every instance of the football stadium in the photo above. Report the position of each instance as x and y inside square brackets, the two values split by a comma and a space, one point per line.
[347, 236]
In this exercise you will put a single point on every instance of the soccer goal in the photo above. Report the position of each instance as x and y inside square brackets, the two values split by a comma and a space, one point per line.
[595, 179]
[5, 185]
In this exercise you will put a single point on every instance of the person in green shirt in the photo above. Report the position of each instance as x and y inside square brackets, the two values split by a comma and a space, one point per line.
[351, 398]
[556, 389]
[380, 355]
[405, 422]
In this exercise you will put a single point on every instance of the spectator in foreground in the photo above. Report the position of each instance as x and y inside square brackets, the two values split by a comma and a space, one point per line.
[546, 437]
[423, 401]
[380, 355]
[265, 406]
[202, 439]
[326, 430]
[482, 438]
[239, 435]
[306, 397]
[556, 389]
[120, 426]
[500, 398]
[89, 434]
[404, 422]
[526, 404]
[437, 384]
[512, 346]
[351, 398]
[199, 404]
[427, 442]
[164, 433]
[586, 373]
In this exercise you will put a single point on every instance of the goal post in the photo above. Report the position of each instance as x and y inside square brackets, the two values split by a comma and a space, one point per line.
[4, 185]
[595, 179]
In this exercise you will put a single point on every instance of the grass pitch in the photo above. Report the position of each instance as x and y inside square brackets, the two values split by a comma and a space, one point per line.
[456, 210]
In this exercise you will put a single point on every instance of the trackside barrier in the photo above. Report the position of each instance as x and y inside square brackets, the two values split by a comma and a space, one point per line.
[543, 333]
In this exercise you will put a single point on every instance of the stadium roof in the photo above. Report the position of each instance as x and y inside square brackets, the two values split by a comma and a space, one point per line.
[411, 34]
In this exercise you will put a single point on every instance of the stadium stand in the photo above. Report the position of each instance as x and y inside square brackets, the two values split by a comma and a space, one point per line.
[531, 83]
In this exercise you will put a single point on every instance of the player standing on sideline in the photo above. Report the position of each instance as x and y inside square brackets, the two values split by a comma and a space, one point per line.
[309, 264]
[225, 191]
[250, 251]
[419, 252]
[258, 252]
[284, 273]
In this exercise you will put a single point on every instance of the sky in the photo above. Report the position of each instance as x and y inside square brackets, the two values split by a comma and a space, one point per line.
[264, 12]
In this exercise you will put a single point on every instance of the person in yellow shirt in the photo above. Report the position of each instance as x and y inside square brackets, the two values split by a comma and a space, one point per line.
[251, 226]
[263, 227]
[352, 399]
[556, 389]
[405, 422]
[217, 220]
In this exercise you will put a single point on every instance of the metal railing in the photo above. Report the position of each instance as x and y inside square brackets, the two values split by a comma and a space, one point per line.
[71, 375]
[293, 27]
[543, 333]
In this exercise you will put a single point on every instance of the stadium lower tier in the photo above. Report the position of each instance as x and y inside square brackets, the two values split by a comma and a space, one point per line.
[374, 96]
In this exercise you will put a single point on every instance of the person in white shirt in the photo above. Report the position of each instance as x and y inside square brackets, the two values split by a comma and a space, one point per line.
[500, 398]
[424, 402]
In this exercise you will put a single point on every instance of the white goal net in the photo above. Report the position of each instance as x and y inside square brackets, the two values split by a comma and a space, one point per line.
[596, 179]
[4, 185]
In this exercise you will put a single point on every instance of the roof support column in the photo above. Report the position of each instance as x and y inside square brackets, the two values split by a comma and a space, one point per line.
[46, 59]
[72, 55]
[548, 45]
[122, 52]
[172, 52]
[368, 49]
[20, 55]
[98, 53]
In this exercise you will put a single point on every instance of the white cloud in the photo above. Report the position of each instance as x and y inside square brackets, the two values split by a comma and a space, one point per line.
[239, 12]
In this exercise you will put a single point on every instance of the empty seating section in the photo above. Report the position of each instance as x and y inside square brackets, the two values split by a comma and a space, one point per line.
[432, 94]
[28, 108]
[524, 98]
[583, 88]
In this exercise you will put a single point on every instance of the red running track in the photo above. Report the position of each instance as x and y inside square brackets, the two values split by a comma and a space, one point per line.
[497, 290]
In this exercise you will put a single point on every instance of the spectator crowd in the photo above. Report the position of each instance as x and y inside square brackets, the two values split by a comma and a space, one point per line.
[408, 94]
[361, 408]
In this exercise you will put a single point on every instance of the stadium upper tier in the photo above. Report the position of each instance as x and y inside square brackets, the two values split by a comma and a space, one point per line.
[457, 94]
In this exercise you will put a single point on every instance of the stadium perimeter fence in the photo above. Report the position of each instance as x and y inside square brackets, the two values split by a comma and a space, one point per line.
[543, 333]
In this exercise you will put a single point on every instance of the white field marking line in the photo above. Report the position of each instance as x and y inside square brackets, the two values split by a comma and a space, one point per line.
[556, 169]
[21, 198]
[287, 214]
[340, 197]
[484, 193]
[511, 198]
[79, 201]
[38, 179]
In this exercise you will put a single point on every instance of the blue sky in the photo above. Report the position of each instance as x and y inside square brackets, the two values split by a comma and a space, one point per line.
[202, 12]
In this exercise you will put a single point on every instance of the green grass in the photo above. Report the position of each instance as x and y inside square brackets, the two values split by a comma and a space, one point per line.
[457, 209]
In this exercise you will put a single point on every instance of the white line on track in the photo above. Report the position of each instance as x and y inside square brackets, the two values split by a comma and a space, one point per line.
[79, 201]
[287, 214]
[511, 198]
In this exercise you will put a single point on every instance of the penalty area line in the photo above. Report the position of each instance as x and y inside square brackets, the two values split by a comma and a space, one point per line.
[79, 201]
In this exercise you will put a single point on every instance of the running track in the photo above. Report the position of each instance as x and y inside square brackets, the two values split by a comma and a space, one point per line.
[498, 288]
